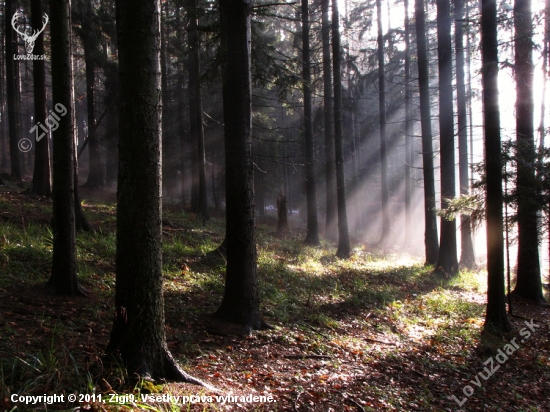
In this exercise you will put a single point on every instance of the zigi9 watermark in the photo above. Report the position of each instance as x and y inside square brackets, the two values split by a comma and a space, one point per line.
[52, 123]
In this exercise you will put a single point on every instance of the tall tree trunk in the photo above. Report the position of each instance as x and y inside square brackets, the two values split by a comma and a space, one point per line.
[96, 177]
[495, 317]
[167, 169]
[139, 333]
[12, 82]
[469, 88]
[528, 284]
[41, 181]
[312, 237]
[409, 159]
[447, 263]
[5, 141]
[19, 109]
[382, 120]
[111, 84]
[195, 106]
[63, 278]
[96, 174]
[545, 57]
[344, 248]
[241, 300]
[467, 258]
[430, 231]
[81, 223]
[328, 110]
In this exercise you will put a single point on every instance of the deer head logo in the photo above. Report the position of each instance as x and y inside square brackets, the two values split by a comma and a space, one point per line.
[29, 40]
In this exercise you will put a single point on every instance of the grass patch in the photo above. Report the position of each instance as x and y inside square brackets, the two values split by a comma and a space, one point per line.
[382, 330]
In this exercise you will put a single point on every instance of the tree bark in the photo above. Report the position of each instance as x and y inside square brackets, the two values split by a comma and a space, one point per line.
[312, 237]
[467, 257]
[529, 285]
[382, 121]
[282, 215]
[241, 300]
[409, 159]
[328, 110]
[41, 181]
[5, 141]
[96, 175]
[344, 248]
[138, 333]
[195, 105]
[495, 317]
[63, 279]
[447, 263]
[12, 82]
[430, 221]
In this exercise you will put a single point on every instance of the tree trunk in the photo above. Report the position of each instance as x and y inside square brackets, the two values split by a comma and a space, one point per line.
[409, 159]
[5, 140]
[312, 237]
[241, 300]
[528, 284]
[19, 109]
[331, 204]
[138, 333]
[447, 263]
[41, 181]
[545, 57]
[467, 258]
[11, 81]
[495, 317]
[96, 175]
[430, 222]
[344, 248]
[63, 278]
[382, 121]
[469, 36]
[282, 215]
[195, 105]
[111, 84]
[81, 223]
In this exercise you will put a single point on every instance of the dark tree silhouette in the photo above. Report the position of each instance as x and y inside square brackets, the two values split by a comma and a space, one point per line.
[199, 203]
[241, 299]
[447, 263]
[312, 237]
[139, 334]
[96, 173]
[467, 257]
[382, 121]
[41, 180]
[328, 111]
[430, 221]
[496, 317]
[63, 278]
[409, 154]
[344, 248]
[282, 215]
[529, 285]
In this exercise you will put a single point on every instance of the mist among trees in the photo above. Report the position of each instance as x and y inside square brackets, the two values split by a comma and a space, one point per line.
[258, 197]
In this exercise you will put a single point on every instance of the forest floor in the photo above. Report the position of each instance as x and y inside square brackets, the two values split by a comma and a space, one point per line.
[376, 332]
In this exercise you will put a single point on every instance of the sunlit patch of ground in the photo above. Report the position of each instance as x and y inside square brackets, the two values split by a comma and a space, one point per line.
[373, 333]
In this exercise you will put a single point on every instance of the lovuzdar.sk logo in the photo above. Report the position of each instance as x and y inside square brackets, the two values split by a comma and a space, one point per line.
[29, 39]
